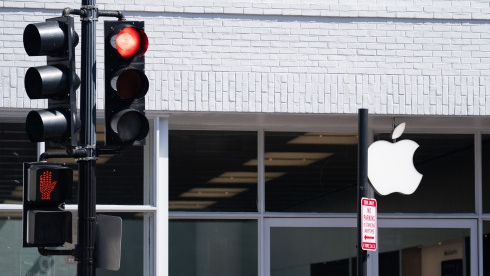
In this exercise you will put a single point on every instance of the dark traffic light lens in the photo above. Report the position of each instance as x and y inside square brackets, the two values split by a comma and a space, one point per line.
[130, 83]
[130, 125]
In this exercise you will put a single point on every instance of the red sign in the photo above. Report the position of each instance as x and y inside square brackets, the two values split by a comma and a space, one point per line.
[369, 224]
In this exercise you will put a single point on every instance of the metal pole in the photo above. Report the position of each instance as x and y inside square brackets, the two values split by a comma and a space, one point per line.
[87, 183]
[362, 165]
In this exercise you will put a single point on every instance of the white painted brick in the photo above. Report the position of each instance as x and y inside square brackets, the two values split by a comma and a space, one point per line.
[305, 45]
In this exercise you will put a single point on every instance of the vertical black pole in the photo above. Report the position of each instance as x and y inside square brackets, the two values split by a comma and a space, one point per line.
[86, 196]
[362, 166]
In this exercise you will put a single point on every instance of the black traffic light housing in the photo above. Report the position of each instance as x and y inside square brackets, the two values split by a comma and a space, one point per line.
[56, 81]
[126, 84]
[47, 186]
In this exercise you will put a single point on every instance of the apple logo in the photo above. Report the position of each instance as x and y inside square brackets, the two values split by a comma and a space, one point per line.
[390, 165]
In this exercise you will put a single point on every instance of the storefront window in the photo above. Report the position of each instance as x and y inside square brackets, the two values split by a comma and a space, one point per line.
[132, 242]
[486, 248]
[447, 164]
[208, 171]
[15, 149]
[319, 251]
[310, 172]
[17, 260]
[419, 251]
[312, 251]
[486, 172]
[213, 248]
[119, 175]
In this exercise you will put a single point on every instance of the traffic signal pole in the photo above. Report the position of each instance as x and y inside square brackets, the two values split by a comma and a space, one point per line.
[86, 165]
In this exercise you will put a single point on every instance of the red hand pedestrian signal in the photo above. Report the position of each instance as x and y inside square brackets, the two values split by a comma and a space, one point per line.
[46, 185]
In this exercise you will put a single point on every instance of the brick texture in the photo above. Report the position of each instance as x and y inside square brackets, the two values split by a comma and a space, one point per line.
[393, 57]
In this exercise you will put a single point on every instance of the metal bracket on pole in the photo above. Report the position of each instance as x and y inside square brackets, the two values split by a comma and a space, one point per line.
[118, 14]
[51, 252]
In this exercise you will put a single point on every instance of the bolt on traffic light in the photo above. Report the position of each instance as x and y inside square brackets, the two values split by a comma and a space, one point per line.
[56, 81]
[125, 43]
[47, 186]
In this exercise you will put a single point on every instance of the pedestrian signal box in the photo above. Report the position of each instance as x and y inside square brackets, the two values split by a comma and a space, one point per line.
[47, 186]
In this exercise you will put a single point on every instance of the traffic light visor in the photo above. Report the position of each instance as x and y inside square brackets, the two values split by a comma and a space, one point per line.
[130, 83]
[130, 42]
[46, 82]
[42, 125]
[47, 38]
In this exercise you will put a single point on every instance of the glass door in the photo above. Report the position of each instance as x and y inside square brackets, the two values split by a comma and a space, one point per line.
[327, 246]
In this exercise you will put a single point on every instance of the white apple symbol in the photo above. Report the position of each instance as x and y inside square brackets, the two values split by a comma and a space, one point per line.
[390, 165]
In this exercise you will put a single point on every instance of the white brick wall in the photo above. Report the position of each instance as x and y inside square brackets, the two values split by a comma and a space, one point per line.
[393, 57]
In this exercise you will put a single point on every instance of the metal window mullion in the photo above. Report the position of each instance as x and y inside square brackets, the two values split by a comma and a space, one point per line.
[478, 199]
[261, 229]
[161, 185]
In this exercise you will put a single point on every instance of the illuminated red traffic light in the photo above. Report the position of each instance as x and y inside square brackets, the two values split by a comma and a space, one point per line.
[130, 42]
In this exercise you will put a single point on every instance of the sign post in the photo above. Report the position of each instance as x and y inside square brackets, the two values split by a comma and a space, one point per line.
[362, 185]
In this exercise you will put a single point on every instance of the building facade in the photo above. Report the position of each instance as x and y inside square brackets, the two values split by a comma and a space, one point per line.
[250, 166]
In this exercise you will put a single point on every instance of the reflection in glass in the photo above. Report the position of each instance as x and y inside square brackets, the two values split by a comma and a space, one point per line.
[312, 251]
[314, 172]
[17, 260]
[486, 248]
[207, 171]
[447, 164]
[423, 252]
[119, 176]
[213, 248]
[15, 149]
[131, 245]
[320, 251]
[486, 172]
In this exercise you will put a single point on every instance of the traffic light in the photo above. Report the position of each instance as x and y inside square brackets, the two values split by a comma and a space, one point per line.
[47, 186]
[56, 81]
[126, 84]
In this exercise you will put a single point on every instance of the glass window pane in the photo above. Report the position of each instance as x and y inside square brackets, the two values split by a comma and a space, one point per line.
[486, 172]
[486, 248]
[208, 171]
[310, 172]
[119, 176]
[312, 251]
[409, 252]
[423, 251]
[131, 246]
[213, 248]
[17, 260]
[446, 162]
[15, 149]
